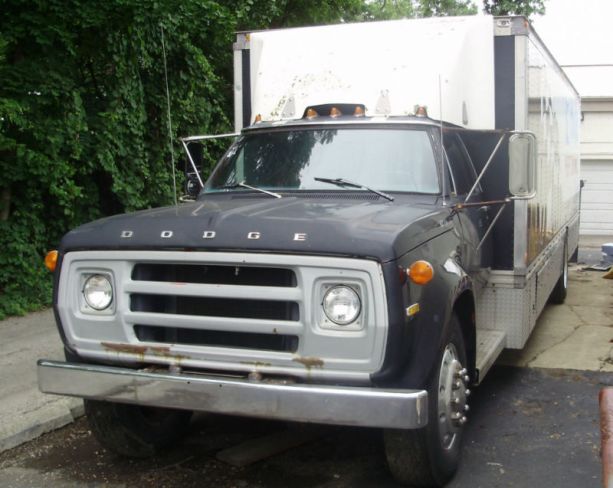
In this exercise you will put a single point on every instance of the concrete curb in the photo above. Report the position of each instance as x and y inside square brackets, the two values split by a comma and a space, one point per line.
[25, 412]
[51, 415]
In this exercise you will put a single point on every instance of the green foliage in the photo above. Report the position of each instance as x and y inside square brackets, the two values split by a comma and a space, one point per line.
[83, 118]
[430, 8]
[514, 7]
[83, 125]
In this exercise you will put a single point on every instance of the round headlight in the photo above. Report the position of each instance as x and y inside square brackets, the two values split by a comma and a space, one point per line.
[342, 305]
[98, 292]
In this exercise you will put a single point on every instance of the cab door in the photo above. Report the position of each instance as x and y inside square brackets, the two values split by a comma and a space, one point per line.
[474, 220]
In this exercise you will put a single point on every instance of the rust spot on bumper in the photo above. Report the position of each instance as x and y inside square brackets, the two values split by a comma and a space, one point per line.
[257, 364]
[125, 348]
[160, 351]
[309, 362]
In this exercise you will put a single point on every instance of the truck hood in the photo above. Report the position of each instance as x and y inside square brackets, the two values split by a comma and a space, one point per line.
[332, 224]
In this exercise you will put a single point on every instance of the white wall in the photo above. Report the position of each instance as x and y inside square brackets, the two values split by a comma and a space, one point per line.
[597, 167]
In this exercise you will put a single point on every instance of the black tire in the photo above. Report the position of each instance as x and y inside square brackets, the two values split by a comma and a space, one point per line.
[559, 292]
[134, 431]
[419, 457]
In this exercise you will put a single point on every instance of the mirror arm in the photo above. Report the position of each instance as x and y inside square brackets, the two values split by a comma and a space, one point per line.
[496, 217]
[192, 163]
[487, 203]
[470, 193]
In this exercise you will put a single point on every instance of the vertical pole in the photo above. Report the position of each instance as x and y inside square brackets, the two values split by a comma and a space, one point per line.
[172, 153]
[440, 106]
[605, 399]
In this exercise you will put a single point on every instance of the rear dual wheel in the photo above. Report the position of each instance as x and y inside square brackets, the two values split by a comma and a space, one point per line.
[430, 456]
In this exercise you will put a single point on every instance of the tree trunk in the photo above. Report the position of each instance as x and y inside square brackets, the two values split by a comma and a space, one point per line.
[5, 203]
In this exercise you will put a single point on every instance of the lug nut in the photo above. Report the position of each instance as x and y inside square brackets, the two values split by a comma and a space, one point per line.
[457, 384]
[466, 378]
[467, 392]
[463, 420]
[463, 371]
[466, 408]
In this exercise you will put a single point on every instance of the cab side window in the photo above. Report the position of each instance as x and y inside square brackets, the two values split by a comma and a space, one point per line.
[463, 171]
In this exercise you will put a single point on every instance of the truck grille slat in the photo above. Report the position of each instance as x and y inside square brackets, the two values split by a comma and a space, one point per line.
[241, 340]
[215, 307]
[215, 274]
[212, 290]
[214, 323]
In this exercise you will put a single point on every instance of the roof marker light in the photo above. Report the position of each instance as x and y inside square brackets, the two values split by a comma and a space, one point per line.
[258, 118]
[335, 112]
[421, 111]
[311, 113]
[358, 112]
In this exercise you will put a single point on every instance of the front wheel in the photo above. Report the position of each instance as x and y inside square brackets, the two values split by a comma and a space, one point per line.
[134, 431]
[430, 456]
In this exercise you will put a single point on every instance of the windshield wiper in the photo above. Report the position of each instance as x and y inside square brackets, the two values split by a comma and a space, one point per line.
[242, 184]
[344, 182]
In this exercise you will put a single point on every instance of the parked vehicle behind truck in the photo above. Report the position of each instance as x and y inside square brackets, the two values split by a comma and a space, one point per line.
[398, 205]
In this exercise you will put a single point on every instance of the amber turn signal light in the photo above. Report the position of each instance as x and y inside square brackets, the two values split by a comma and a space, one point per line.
[51, 260]
[420, 272]
[335, 112]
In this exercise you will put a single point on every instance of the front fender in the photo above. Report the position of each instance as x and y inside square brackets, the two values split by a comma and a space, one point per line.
[414, 343]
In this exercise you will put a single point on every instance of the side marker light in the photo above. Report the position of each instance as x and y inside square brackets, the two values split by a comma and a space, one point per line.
[412, 310]
[421, 272]
[51, 260]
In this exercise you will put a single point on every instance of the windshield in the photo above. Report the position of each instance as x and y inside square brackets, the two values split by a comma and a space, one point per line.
[384, 159]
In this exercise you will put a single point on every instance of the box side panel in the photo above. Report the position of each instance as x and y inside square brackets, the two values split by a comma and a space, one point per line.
[388, 66]
[553, 115]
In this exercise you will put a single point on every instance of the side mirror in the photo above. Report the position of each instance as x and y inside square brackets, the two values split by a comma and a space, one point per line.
[195, 154]
[522, 165]
[192, 185]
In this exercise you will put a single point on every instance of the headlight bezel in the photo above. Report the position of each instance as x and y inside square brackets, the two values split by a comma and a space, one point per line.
[88, 304]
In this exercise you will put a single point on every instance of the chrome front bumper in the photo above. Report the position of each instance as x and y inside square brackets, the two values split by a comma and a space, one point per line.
[358, 406]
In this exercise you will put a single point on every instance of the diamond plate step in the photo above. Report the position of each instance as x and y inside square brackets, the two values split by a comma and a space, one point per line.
[490, 344]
